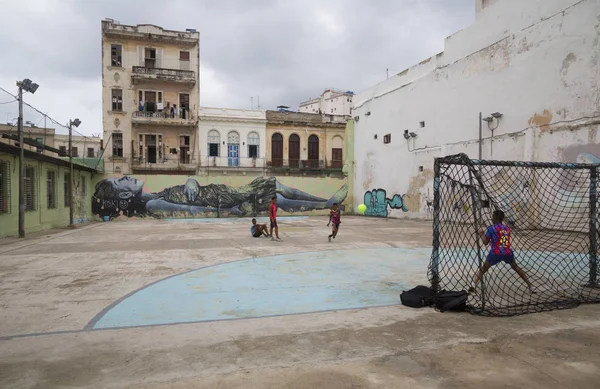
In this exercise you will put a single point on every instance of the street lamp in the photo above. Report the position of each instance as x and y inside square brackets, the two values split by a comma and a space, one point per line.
[72, 123]
[27, 86]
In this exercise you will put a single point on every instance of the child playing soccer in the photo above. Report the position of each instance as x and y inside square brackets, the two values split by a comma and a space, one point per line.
[500, 251]
[335, 218]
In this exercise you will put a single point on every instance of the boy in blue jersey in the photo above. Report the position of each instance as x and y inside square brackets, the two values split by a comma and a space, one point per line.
[257, 230]
[498, 235]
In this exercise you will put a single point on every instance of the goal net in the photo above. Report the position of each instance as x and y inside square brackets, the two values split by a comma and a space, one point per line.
[552, 212]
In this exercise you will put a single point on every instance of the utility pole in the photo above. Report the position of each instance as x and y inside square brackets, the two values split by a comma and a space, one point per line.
[21, 166]
[70, 174]
[387, 73]
[72, 123]
[30, 87]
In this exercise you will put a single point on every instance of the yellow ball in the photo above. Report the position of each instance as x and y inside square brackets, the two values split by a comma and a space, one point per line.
[362, 208]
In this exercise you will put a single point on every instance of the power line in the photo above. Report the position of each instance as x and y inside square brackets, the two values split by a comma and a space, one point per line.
[46, 115]
[8, 102]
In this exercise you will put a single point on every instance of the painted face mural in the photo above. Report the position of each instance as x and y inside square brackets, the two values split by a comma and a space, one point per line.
[377, 203]
[124, 196]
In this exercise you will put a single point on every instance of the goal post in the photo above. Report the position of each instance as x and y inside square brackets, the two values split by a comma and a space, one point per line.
[551, 210]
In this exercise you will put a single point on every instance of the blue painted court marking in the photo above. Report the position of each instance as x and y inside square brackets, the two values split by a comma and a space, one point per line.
[234, 219]
[273, 286]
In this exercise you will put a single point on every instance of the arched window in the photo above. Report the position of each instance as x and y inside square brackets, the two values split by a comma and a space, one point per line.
[277, 149]
[313, 151]
[233, 148]
[214, 143]
[294, 150]
[253, 143]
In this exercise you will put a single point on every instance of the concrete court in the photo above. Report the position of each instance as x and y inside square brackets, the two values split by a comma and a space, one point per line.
[56, 288]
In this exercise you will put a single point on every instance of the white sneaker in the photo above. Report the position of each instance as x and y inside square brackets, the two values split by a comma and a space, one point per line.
[329, 237]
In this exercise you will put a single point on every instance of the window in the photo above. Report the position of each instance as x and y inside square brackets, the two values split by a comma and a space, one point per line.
[387, 138]
[184, 55]
[117, 145]
[150, 57]
[253, 143]
[4, 187]
[30, 189]
[214, 141]
[117, 99]
[184, 149]
[62, 151]
[51, 188]
[66, 189]
[90, 152]
[74, 152]
[83, 186]
[115, 55]
[184, 106]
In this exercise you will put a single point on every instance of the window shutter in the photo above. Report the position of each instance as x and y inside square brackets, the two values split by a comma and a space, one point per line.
[140, 50]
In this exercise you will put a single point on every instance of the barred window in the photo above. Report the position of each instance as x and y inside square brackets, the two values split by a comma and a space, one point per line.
[30, 189]
[66, 190]
[83, 186]
[51, 188]
[4, 187]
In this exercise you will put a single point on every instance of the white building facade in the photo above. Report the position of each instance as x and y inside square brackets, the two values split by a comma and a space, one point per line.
[535, 62]
[232, 138]
[331, 102]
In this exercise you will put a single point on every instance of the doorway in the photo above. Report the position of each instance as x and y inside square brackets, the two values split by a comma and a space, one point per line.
[277, 150]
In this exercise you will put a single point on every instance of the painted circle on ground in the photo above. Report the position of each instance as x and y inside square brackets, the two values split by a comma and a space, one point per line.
[273, 286]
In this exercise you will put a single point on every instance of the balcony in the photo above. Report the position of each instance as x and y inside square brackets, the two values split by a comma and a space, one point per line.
[139, 165]
[280, 164]
[232, 164]
[143, 74]
[186, 118]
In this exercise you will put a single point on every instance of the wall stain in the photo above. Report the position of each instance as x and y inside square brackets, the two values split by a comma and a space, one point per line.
[541, 120]
[569, 59]
[413, 198]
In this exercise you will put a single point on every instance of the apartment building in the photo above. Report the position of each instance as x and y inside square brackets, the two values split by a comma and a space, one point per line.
[150, 98]
[331, 102]
[305, 142]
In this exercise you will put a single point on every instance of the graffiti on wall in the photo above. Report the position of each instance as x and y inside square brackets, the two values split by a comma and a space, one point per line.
[125, 196]
[378, 203]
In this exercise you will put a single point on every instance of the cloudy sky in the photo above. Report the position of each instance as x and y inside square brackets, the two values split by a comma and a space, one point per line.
[284, 51]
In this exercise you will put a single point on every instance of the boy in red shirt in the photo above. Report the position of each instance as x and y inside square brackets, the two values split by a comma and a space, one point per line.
[273, 219]
[335, 218]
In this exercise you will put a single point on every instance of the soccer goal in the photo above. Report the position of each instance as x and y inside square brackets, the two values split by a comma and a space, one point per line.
[552, 212]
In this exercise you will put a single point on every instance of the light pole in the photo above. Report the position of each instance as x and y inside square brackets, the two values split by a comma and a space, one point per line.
[72, 123]
[27, 86]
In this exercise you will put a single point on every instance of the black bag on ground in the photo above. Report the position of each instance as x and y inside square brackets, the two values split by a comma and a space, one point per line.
[451, 301]
[418, 297]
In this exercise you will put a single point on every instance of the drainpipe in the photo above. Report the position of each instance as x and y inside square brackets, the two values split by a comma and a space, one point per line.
[480, 136]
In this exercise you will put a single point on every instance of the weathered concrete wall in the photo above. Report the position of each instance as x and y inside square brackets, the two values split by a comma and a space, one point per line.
[162, 196]
[540, 71]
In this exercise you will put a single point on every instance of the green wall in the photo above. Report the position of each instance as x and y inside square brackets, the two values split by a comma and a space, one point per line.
[43, 217]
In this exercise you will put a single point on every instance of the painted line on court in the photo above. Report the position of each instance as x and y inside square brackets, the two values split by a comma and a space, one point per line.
[324, 281]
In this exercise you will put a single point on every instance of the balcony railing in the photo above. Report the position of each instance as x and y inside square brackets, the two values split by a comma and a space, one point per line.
[166, 165]
[233, 162]
[175, 75]
[307, 164]
[182, 118]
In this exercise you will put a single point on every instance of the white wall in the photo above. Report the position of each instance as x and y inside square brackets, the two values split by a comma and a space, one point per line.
[542, 68]
[224, 120]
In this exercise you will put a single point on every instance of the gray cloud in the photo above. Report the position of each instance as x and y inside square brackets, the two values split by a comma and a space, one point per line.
[283, 50]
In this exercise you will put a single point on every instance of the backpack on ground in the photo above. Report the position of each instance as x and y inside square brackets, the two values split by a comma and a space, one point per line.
[451, 301]
[418, 297]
